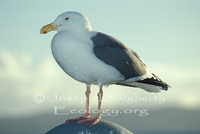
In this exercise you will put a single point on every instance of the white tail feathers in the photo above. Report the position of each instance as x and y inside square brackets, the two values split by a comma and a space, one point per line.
[146, 87]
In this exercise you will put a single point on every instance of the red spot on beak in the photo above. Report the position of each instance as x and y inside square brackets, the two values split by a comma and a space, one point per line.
[45, 32]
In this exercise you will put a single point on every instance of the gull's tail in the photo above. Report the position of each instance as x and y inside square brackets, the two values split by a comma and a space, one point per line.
[153, 84]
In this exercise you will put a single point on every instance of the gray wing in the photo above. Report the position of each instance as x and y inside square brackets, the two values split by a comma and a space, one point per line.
[116, 54]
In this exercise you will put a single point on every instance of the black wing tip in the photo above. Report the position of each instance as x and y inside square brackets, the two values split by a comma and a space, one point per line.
[168, 86]
[155, 80]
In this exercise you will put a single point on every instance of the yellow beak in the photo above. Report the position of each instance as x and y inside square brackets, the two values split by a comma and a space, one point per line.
[48, 28]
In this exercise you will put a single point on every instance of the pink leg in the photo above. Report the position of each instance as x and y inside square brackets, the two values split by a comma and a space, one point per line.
[93, 120]
[87, 93]
[87, 114]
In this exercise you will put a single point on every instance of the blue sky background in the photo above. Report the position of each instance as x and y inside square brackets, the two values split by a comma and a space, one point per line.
[166, 34]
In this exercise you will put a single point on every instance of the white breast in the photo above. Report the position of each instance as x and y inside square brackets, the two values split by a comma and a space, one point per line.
[75, 56]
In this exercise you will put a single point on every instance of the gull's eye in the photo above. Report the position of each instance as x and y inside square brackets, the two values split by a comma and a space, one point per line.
[66, 18]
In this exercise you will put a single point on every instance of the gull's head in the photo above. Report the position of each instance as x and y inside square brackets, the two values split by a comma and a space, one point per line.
[68, 21]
